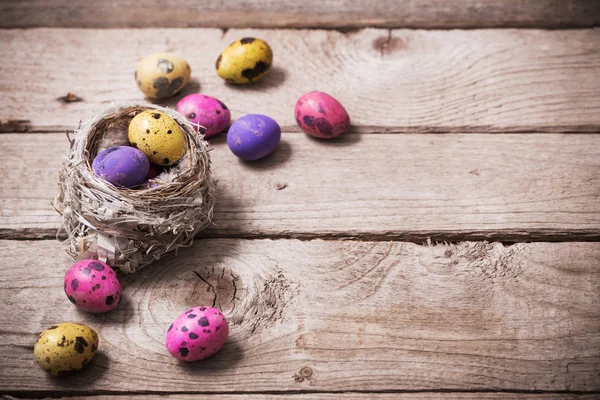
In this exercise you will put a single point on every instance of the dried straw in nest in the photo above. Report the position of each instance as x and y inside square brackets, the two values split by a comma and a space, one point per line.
[130, 228]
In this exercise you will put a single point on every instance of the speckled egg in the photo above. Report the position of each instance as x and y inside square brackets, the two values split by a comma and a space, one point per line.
[65, 347]
[122, 166]
[197, 334]
[154, 171]
[253, 136]
[244, 61]
[93, 286]
[320, 115]
[161, 75]
[159, 136]
[206, 111]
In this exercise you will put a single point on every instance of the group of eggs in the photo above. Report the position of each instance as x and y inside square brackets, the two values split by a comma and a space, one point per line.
[252, 136]
[157, 141]
[93, 286]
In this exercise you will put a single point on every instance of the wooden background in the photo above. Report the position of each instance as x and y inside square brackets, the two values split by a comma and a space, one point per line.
[447, 246]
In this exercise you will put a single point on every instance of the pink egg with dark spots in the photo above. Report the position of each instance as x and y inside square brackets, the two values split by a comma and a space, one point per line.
[206, 111]
[197, 334]
[122, 166]
[320, 115]
[93, 286]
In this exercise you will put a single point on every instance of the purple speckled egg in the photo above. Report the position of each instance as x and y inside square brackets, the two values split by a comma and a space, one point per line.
[253, 136]
[197, 334]
[93, 286]
[206, 111]
[320, 115]
[122, 166]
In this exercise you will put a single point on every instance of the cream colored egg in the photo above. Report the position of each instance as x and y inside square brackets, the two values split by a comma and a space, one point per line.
[161, 75]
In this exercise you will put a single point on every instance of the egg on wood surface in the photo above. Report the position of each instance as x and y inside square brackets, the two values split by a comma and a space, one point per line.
[93, 286]
[65, 347]
[158, 136]
[161, 75]
[207, 111]
[197, 334]
[253, 136]
[320, 115]
[244, 61]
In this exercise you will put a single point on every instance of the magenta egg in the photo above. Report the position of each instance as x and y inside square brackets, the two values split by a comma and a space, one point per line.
[320, 115]
[93, 286]
[206, 111]
[197, 334]
[122, 166]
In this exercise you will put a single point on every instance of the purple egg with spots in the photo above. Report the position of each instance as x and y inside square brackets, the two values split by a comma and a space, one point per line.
[122, 166]
[253, 136]
[93, 286]
[197, 334]
[206, 111]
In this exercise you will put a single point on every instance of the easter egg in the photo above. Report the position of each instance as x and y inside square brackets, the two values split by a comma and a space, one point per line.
[161, 75]
[320, 115]
[197, 334]
[253, 136]
[244, 61]
[159, 136]
[93, 286]
[121, 165]
[206, 111]
[65, 347]
[154, 171]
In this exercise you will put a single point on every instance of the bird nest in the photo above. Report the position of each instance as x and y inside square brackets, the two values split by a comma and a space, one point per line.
[131, 228]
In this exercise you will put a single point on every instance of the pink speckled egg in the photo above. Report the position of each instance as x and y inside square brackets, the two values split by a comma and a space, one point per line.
[197, 334]
[320, 115]
[93, 286]
[206, 111]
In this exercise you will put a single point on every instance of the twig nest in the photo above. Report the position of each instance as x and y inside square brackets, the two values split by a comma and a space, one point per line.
[129, 228]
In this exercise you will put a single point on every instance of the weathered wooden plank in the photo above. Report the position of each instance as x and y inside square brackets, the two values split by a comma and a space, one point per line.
[300, 14]
[409, 187]
[335, 396]
[325, 316]
[390, 81]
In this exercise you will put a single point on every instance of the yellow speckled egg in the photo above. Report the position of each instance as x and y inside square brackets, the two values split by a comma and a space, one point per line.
[158, 136]
[245, 60]
[65, 347]
[161, 75]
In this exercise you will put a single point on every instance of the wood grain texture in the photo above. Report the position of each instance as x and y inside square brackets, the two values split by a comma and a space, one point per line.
[333, 396]
[300, 14]
[325, 316]
[408, 187]
[389, 81]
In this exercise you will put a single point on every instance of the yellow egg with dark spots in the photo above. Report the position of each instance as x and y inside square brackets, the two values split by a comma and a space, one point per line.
[65, 347]
[161, 75]
[244, 61]
[158, 136]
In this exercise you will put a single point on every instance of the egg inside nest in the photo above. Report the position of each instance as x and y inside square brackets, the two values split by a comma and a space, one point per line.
[116, 134]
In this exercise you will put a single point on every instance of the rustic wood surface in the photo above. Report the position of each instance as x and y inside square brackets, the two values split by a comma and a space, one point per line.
[337, 396]
[358, 318]
[407, 187]
[300, 14]
[389, 81]
[325, 316]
